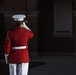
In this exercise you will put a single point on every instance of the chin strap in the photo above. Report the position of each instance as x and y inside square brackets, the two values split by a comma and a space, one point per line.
[25, 26]
[6, 58]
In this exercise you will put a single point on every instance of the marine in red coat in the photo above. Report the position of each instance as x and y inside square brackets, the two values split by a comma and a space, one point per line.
[17, 38]
[16, 47]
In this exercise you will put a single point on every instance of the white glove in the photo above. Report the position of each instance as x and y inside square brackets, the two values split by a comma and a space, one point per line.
[6, 58]
[25, 26]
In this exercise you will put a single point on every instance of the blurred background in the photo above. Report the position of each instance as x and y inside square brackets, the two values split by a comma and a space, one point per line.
[53, 23]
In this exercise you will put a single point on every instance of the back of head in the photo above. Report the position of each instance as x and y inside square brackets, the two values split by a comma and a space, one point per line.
[18, 23]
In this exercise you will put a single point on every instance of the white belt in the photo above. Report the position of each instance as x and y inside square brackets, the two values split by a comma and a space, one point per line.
[19, 47]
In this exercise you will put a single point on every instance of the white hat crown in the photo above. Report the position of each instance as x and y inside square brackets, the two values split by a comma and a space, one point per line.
[19, 17]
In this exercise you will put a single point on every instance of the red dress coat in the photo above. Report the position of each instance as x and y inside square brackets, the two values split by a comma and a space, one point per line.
[17, 37]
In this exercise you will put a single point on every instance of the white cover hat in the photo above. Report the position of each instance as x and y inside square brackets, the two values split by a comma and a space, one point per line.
[19, 17]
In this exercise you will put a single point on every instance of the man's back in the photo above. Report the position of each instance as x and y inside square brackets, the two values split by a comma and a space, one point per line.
[18, 38]
[16, 47]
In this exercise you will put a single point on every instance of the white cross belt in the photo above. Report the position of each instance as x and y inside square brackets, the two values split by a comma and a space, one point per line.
[19, 47]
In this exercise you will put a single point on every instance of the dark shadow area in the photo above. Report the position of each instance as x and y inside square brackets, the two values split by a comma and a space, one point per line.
[35, 64]
[45, 26]
[2, 35]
